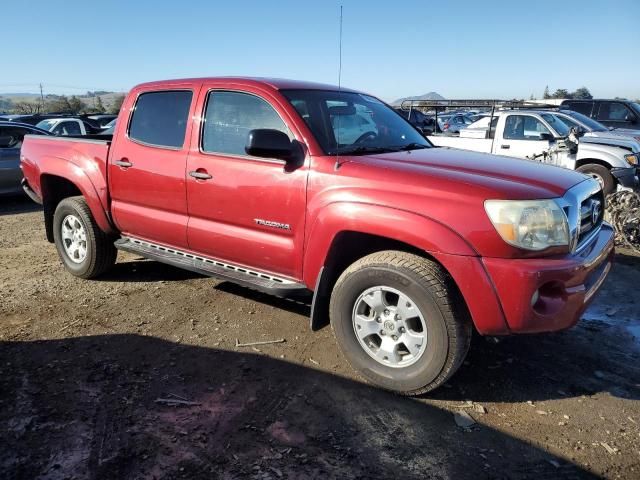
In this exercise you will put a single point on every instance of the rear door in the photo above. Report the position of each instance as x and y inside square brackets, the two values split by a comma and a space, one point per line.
[147, 165]
[244, 210]
[521, 137]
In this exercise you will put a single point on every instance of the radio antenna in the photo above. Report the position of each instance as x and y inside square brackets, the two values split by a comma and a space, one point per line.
[337, 165]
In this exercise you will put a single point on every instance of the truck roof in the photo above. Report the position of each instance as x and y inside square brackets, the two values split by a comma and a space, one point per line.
[274, 83]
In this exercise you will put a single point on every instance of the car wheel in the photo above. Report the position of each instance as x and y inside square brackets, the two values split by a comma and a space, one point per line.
[400, 321]
[85, 250]
[601, 174]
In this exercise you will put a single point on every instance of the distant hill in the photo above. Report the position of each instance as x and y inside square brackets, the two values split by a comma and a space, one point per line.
[8, 100]
[426, 96]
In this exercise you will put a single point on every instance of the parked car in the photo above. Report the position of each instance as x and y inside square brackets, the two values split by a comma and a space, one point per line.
[109, 128]
[404, 246]
[418, 119]
[68, 126]
[11, 137]
[456, 122]
[612, 113]
[101, 120]
[531, 133]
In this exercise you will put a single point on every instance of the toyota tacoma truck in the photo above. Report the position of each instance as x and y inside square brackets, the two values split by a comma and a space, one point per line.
[404, 248]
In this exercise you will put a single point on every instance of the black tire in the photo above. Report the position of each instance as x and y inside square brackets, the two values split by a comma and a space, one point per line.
[100, 250]
[448, 324]
[600, 173]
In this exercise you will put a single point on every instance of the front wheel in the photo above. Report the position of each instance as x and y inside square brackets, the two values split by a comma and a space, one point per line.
[400, 321]
[601, 174]
[85, 250]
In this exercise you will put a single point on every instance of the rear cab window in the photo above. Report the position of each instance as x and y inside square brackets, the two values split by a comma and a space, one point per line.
[160, 118]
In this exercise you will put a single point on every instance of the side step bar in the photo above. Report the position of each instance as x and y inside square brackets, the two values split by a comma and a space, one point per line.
[214, 268]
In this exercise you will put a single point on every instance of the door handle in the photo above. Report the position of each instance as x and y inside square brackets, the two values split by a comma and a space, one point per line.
[123, 162]
[200, 175]
[506, 147]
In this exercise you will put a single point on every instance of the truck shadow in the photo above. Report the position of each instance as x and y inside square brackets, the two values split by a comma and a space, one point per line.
[128, 406]
[16, 204]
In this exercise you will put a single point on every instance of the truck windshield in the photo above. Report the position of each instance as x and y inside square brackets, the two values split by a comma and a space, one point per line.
[590, 123]
[556, 123]
[351, 123]
[46, 124]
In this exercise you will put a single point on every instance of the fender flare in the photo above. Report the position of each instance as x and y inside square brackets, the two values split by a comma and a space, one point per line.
[422, 232]
[59, 167]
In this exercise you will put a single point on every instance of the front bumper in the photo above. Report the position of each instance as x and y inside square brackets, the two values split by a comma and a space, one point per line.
[550, 294]
[626, 177]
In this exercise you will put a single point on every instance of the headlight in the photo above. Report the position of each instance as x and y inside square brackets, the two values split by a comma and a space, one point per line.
[529, 224]
[632, 159]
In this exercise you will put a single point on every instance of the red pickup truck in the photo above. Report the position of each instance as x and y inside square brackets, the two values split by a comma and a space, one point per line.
[304, 189]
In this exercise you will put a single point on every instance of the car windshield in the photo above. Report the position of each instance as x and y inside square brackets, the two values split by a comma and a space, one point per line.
[353, 123]
[556, 123]
[590, 123]
[46, 124]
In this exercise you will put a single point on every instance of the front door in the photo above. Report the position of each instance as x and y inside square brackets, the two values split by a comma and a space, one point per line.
[521, 137]
[244, 210]
[147, 166]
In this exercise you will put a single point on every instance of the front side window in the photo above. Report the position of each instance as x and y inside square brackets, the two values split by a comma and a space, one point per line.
[230, 116]
[524, 127]
[353, 123]
[613, 112]
[160, 118]
[67, 128]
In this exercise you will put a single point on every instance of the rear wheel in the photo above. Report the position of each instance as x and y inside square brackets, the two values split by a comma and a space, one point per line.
[601, 174]
[400, 321]
[85, 250]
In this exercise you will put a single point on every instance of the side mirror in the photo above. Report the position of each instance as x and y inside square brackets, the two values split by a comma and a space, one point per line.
[547, 136]
[631, 118]
[269, 143]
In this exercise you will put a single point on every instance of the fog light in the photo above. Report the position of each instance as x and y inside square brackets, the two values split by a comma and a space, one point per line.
[535, 297]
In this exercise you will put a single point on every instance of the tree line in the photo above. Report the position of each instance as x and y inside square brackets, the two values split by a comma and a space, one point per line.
[62, 104]
[581, 93]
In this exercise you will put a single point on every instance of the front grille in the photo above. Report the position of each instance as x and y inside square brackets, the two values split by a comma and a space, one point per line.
[591, 216]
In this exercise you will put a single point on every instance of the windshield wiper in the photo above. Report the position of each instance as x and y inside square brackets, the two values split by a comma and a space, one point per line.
[362, 150]
[412, 146]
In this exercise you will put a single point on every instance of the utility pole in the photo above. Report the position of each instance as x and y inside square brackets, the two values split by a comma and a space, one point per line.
[41, 99]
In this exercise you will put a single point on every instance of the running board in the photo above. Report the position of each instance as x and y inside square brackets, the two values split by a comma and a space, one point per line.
[214, 268]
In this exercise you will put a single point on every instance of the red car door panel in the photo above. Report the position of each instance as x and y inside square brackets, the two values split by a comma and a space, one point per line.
[252, 210]
[147, 166]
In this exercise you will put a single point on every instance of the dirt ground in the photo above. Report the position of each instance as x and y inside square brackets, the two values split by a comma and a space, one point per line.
[85, 366]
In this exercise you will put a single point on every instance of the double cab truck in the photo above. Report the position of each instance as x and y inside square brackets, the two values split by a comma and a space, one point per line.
[404, 248]
[539, 134]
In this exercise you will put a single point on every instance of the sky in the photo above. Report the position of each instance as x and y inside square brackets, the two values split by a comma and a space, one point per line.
[391, 49]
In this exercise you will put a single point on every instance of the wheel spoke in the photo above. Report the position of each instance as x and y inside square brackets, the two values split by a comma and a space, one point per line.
[406, 308]
[366, 326]
[388, 351]
[413, 341]
[374, 300]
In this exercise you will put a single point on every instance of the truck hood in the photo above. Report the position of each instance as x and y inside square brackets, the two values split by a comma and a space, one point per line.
[618, 138]
[496, 176]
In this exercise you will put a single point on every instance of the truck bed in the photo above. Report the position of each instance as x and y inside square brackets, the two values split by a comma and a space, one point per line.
[84, 158]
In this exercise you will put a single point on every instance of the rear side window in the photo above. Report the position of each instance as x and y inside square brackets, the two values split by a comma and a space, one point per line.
[582, 107]
[160, 118]
[613, 112]
[229, 118]
[67, 128]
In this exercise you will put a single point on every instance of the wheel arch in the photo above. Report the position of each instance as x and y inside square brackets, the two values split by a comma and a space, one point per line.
[55, 188]
[344, 233]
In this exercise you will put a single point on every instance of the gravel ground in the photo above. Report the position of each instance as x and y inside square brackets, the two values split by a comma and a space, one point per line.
[85, 366]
